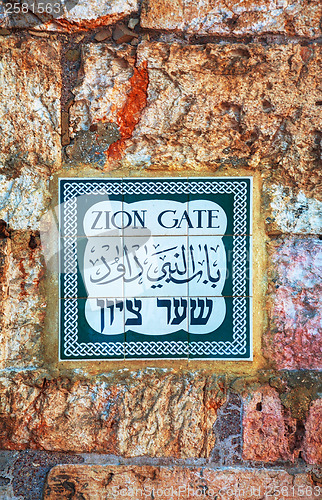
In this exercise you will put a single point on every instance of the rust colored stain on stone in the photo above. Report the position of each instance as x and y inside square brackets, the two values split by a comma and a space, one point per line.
[228, 430]
[169, 415]
[128, 117]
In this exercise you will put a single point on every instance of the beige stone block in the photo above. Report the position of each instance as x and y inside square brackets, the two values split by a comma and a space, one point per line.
[22, 307]
[238, 105]
[30, 89]
[290, 210]
[231, 18]
[204, 107]
[149, 413]
[136, 482]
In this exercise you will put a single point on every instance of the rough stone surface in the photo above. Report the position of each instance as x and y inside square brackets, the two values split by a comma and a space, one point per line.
[96, 13]
[231, 18]
[129, 482]
[228, 430]
[152, 414]
[293, 339]
[297, 390]
[72, 14]
[175, 416]
[24, 198]
[268, 430]
[289, 211]
[108, 103]
[312, 443]
[23, 305]
[30, 87]
[208, 106]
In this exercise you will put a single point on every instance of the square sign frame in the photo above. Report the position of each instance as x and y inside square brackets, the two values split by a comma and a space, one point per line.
[201, 310]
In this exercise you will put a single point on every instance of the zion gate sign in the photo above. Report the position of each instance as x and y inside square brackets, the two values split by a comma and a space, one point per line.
[154, 268]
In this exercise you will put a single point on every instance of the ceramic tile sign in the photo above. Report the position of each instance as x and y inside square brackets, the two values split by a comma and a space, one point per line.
[155, 268]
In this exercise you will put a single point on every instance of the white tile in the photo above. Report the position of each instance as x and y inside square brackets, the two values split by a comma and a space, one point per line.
[159, 217]
[155, 267]
[105, 218]
[206, 217]
[103, 267]
[105, 315]
[206, 314]
[156, 315]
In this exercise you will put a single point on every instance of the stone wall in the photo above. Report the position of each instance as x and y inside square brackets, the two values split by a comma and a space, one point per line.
[161, 88]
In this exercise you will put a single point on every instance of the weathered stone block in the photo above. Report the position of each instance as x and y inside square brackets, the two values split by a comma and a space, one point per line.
[94, 13]
[24, 195]
[234, 104]
[207, 106]
[268, 430]
[30, 88]
[58, 414]
[69, 15]
[293, 339]
[175, 416]
[108, 103]
[22, 304]
[312, 443]
[145, 414]
[291, 211]
[241, 105]
[131, 482]
[229, 18]
[23, 473]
